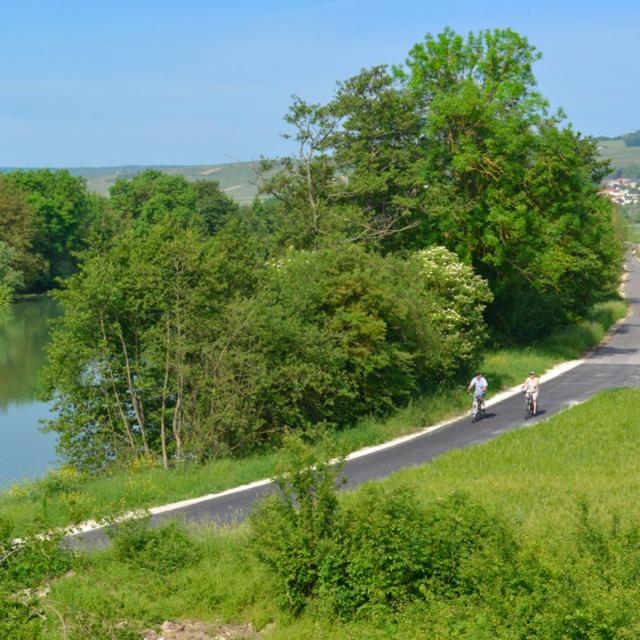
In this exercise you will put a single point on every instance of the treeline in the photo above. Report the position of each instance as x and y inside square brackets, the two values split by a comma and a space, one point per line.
[45, 217]
[430, 206]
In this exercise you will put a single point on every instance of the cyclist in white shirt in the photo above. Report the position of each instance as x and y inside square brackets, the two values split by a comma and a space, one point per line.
[479, 386]
[531, 387]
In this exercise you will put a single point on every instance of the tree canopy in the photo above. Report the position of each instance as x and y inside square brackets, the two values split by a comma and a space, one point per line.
[430, 206]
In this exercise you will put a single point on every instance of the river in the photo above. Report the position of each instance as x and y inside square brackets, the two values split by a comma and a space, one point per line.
[25, 451]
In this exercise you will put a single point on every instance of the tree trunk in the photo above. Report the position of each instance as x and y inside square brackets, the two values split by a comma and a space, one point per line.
[137, 405]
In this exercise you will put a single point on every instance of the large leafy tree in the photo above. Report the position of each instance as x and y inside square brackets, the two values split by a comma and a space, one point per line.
[458, 148]
[60, 205]
[508, 188]
[147, 198]
[358, 175]
[151, 196]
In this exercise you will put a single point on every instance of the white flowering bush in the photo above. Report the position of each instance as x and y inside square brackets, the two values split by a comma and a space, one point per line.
[460, 297]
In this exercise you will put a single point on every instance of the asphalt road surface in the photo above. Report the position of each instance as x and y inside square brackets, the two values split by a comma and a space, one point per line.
[615, 363]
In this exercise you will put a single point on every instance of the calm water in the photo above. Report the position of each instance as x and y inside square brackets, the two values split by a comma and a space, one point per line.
[24, 450]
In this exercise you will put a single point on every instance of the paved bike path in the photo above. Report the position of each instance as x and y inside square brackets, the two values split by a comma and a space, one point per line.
[615, 363]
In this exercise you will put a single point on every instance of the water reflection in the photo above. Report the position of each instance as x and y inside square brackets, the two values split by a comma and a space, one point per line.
[24, 332]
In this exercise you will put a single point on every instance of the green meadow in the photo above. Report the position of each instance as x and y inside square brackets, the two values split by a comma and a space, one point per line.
[567, 490]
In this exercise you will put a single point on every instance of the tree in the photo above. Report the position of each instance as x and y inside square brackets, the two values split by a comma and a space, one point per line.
[147, 198]
[60, 205]
[357, 175]
[125, 361]
[307, 214]
[377, 150]
[457, 148]
[213, 205]
[10, 278]
[509, 189]
[18, 231]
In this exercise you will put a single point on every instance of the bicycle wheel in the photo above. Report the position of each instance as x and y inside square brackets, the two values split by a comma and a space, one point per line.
[528, 410]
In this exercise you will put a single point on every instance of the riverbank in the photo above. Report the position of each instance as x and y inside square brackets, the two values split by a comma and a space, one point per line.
[65, 497]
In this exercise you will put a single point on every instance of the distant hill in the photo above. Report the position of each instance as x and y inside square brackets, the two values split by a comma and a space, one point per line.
[625, 160]
[238, 179]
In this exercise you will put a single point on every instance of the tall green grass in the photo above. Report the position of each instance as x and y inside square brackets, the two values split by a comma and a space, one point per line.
[540, 480]
[65, 497]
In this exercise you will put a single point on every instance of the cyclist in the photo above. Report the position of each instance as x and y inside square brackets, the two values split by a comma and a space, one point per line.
[531, 387]
[479, 386]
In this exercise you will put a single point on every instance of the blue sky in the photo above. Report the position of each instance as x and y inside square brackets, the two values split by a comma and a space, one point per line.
[88, 83]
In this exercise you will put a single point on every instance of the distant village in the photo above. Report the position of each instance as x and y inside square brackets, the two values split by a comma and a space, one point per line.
[621, 190]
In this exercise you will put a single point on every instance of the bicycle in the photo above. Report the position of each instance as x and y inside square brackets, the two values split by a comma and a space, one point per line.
[528, 405]
[477, 408]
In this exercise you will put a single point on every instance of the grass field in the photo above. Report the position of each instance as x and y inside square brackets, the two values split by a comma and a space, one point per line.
[65, 497]
[539, 480]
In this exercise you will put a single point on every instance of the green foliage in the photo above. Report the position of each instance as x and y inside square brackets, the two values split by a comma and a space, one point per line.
[161, 549]
[508, 188]
[387, 551]
[177, 344]
[19, 233]
[151, 196]
[459, 149]
[213, 206]
[378, 554]
[541, 543]
[539, 562]
[292, 529]
[10, 279]
[26, 565]
[61, 210]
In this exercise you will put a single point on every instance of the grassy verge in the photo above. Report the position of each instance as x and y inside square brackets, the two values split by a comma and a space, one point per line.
[536, 479]
[64, 497]
[632, 232]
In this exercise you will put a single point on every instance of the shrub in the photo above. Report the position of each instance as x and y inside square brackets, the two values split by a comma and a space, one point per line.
[378, 554]
[291, 530]
[388, 550]
[161, 549]
[24, 566]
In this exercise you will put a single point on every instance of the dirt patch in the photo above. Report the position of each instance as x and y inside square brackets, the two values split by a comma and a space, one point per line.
[194, 630]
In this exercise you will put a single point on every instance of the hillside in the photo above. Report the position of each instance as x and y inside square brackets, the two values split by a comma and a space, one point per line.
[623, 158]
[238, 179]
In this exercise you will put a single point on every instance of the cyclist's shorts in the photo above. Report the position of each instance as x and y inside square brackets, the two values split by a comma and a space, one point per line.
[533, 394]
